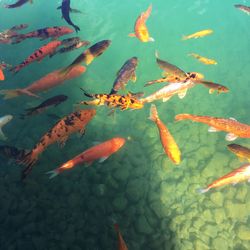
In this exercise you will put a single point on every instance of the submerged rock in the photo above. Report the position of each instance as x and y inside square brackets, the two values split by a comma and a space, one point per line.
[217, 198]
[243, 232]
[120, 203]
[142, 226]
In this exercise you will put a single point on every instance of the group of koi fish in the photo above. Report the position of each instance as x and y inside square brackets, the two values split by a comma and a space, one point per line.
[178, 81]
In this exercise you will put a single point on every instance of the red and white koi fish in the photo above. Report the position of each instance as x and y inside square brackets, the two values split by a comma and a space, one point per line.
[38, 55]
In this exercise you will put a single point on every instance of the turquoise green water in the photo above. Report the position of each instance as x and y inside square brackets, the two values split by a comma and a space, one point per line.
[154, 202]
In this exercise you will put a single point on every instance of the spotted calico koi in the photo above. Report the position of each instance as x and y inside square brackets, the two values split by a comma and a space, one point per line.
[123, 102]
[72, 123]
[38, 55]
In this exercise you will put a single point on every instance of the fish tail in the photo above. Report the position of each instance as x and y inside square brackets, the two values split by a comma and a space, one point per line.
[148, 11]
[86, 93]
[9, 93]
[19, 39]
[156, 54]
[29, 160]
[153, 115]
[181, 117]
[53, 173]
[76, 28]
[202, 190]
[184, 37]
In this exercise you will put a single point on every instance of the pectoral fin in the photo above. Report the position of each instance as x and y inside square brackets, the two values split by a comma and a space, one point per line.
[132, 35]
[182, 94]
[231, 118]
[213, 129]
[211, 91]
[103, 159]
[2, 135]
[133, 77]
[231, 137]
[165, 99]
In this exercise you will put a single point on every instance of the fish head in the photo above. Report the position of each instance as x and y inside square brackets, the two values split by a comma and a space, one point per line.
[98, 48]
[119, 142]
[134, 60]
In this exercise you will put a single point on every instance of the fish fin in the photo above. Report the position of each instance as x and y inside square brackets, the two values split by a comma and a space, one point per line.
[131, 35]
[151, 39]
[202, 190]
[231, 118]
[89, 163]
[213, 129]
[164, 74]
[53, 173]
[2, 135]
[76, 28]
[133, 77]
[211, 91]
[153, 114]
[59, 7]
[11, 93]
[231, 137]
[165, 99]
[103, 159]
[184, 38]
[235, 183]
[75, 11]
[182, 94]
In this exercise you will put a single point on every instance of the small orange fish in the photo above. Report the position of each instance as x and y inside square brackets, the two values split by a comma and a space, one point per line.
[198, 34]
[2, 77]
[140, 29]
[231, 126]
[74, 122]
[203, 60]
[238, 175]
[169, 145]
[121, 243]
[101, 151]
[240, 151]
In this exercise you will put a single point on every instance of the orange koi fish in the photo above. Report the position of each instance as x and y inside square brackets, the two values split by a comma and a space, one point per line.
[240, 151]
[2, 77]
[169, 145]
[231, 126]
[114, 100]
[203, 60]
[101, 151]
[38, 55]
[74, 122]
[121, 243]
[238, 175]
[45, 83]
[198, 34]
[140, 28]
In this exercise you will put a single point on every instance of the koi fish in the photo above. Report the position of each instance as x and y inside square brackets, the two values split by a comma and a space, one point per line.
[121, 243]
[240, 151]
[169, 69]
[198, 34]
[38, 55]
[101, 151]
[48, 81]
[213, 86]
[114, 100]
[19, 3]
[72, 47]
[140, 28]
[203, 60]
[3, 121]
[126, 73]
[72, 123]
[44, 33]
[165, 93]
[71, 41]
[193, 76]
[11, 152]
[7, 35]
[65, 9]
[238, 175]
[53, 101]
[167, 140]
[243, 8]
[231, 126]
[90, 54]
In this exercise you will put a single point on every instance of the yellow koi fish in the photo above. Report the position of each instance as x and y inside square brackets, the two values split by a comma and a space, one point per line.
[203, 60]
[198, 34]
